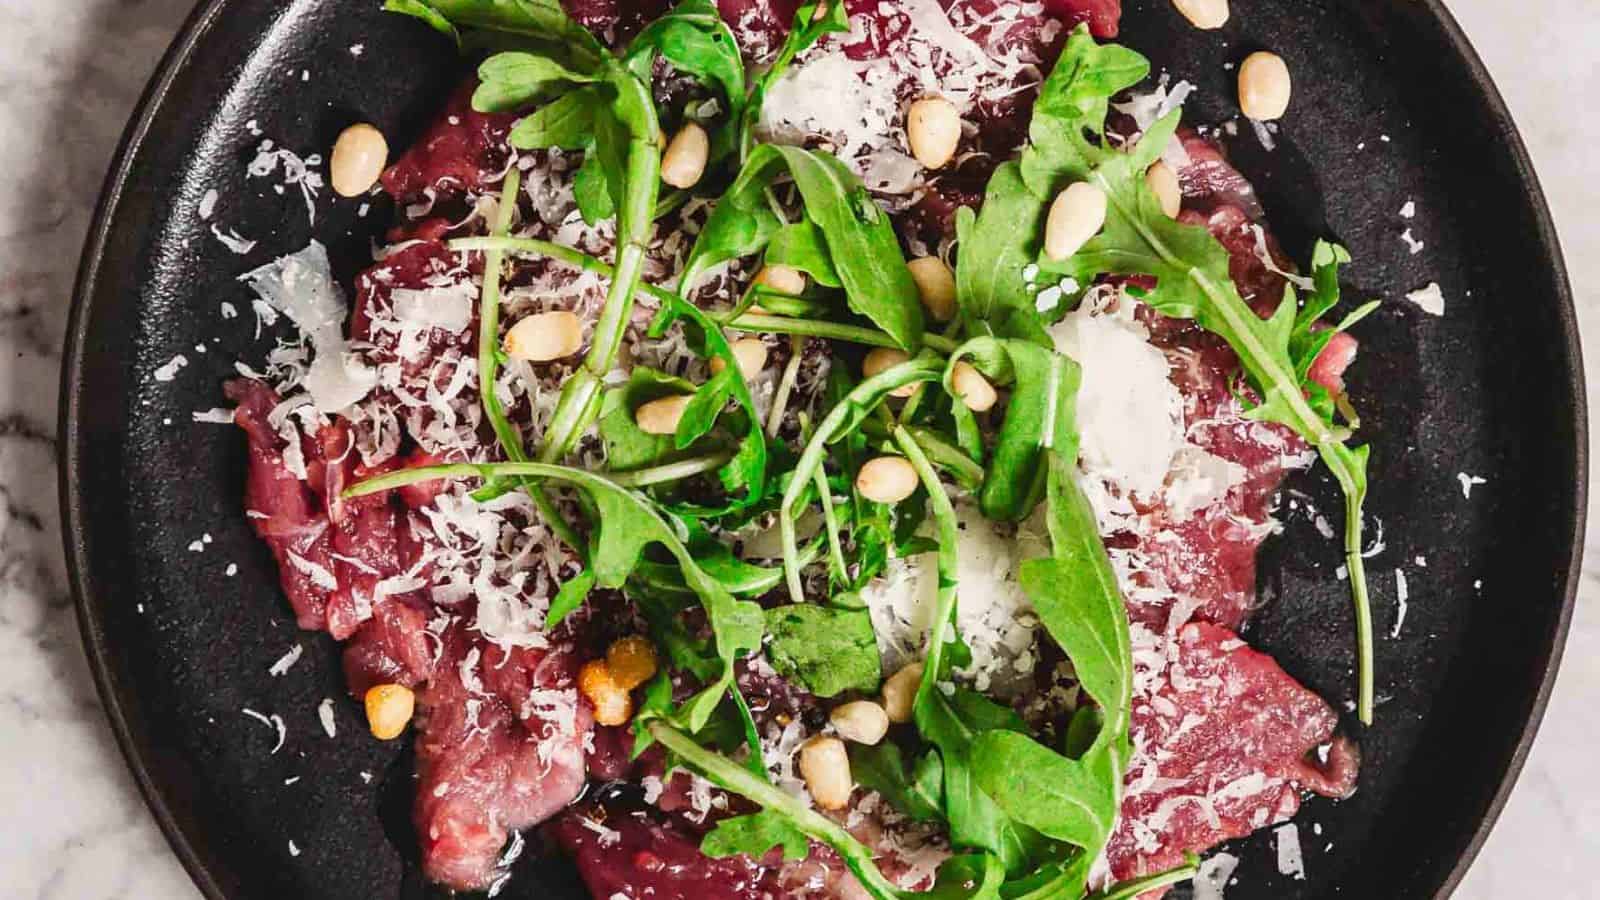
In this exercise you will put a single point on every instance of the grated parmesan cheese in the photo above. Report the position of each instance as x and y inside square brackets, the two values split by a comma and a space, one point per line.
[1429, 299]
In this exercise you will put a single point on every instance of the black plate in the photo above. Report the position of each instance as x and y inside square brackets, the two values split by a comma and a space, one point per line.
[1391, 105]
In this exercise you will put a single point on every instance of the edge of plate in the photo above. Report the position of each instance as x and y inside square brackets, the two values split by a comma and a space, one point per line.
[173, 61]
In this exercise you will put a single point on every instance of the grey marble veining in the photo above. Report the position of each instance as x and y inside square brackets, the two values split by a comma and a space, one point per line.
[70, 72]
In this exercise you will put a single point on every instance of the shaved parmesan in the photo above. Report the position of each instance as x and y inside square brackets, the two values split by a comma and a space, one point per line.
[1429, 299]
[301, 286]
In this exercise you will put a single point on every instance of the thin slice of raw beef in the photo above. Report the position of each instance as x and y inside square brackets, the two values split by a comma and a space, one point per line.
[1224, 744]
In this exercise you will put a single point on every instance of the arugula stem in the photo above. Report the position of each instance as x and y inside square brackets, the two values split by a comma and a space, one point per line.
[854, 334]
[942, 453]
[1337, 458]
[1127, 890]
[830, 523]
[489, 366]
[944, 514]
[1282, 385]
[730, 776]
[780, 397]
[671, 471]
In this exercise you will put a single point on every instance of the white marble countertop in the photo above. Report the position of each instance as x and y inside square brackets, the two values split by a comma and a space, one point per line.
[70, 72]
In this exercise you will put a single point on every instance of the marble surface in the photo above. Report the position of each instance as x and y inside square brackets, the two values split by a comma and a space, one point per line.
[70, 72]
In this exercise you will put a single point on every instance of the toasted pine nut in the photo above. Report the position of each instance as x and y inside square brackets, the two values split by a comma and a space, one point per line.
[1164, 184]
[900, 693]
[1264, 86]
[861, 722]
[880, 359]
[545, 336]
[631, 661]
[1078, 214]
[660, 416]
[936, 286]
[685, 158]
[886, 479]
[782, 279]
[825, 765]
[612, 705]
[389, 710]
[357, 160]
[933, 129]
[973, 389]
[751, 354]
[1206, 15]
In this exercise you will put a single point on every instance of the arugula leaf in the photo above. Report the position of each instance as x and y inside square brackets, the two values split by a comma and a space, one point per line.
[535, 23]
[754, 835]
[628, 446]
[917, 793]
[511, 80]
[567, 600]
[801, 245]
[861, 242]
[997, 246]
[859, 237]
[693, 37]
[828, 649]
[1076, 596]
[1039, 416]
[565, 123]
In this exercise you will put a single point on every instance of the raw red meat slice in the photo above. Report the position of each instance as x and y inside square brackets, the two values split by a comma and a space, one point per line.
[459, 152]
[637, 853]
[499, 748]
[284, 511]
[1225, 742]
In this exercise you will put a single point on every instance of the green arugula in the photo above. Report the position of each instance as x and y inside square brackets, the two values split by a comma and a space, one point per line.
[694, 39]
[861, 246]
[827, 649]
[917, 792]
[755, 835]
[812, 20]
[1191, 269]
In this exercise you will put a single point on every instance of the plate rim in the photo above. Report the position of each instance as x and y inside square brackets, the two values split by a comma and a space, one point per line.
[112, 692]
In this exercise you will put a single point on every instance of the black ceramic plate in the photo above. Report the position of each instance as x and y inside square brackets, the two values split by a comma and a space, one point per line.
[1391, 105]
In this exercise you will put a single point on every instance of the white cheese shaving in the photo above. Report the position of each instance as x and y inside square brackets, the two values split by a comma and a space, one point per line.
[1409, 210]
[1291, 861]
[325, 713]
[1130, 415]
[319, 575]
[1468, 482]
[169, 370]
[301, 286]
[208, 203]
[286, 661]
[994, 615]
[293, 850]
[1429, 299]
[273, 721]
[297, 172]
[233, 240]
[1212, 879]
[1412, 244]
[1402, 594]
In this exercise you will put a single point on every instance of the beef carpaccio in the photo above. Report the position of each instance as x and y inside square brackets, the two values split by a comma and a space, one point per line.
[446, 594]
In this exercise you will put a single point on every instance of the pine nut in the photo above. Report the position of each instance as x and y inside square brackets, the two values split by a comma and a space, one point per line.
[751, 354]
[545, 336]
[1264, 86]
[357, 160]
[900, 693]
[887, 479]
[933, 128]
[936, 286]
[685, 158]
[1164, 184]
[881, 359]
[631, 661]
[782, 279]
[861, 722]
[825, 765]
[973, 389]
[1206, 15]
[389, 710]
[661, 416]
[1078, 214]
[612, 705]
